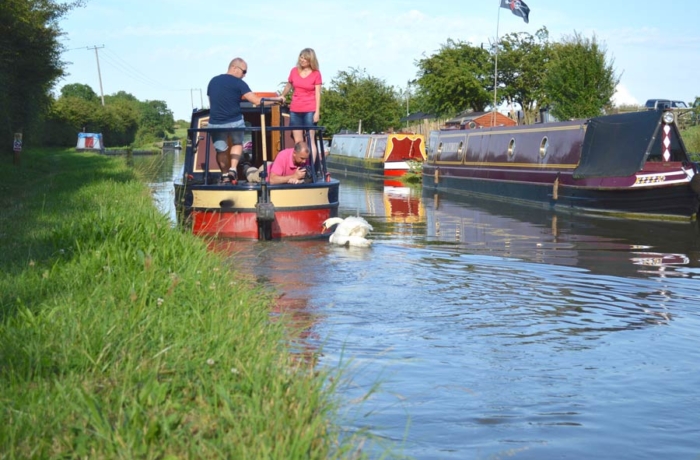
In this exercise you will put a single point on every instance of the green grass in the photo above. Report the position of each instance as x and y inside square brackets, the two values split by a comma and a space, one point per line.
[691, 139]
[181, 131]
[414, 175]
[121, 337]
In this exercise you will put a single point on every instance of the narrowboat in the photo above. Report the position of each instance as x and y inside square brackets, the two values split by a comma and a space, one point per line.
[632, 165]
[375, 156]
[253, 208]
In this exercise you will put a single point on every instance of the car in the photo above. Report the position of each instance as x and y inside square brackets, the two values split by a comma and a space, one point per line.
[660, 104]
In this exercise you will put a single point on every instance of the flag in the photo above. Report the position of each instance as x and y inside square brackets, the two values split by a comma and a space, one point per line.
[518, 8]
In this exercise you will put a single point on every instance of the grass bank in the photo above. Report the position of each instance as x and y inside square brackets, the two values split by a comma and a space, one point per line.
[121, 337]
[691, 138]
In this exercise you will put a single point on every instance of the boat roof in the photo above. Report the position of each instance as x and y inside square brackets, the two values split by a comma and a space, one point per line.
[618, 145]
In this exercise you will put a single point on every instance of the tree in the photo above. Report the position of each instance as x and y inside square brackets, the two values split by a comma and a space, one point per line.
[459, 76]
[80, 91]
[580, 82]
[123, 120]
[156, 120]
[30, 63]
[78, 113]
[354, 96]
[522, 65]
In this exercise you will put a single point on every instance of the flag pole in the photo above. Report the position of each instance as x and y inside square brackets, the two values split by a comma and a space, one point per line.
[495, 69]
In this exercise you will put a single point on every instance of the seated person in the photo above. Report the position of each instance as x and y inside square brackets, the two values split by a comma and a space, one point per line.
[290, 165]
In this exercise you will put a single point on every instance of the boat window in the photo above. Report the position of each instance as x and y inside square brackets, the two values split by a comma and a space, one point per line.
[430, 147]
[543, 147]
[378, 147]
[450, 149]
[511, 147]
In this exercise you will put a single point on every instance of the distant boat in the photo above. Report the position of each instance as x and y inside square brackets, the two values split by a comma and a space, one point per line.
[375, 156]
[90, 142]
[172, 145]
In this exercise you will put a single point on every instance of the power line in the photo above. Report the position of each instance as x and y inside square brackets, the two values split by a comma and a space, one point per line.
[124, 67]
[136, 74]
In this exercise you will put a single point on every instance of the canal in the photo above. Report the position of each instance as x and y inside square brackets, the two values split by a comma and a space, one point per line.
[477, 329]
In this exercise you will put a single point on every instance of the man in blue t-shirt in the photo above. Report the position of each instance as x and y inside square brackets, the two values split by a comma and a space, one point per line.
[225, 93]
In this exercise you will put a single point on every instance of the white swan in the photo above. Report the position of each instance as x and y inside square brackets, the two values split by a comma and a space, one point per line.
[350, 231]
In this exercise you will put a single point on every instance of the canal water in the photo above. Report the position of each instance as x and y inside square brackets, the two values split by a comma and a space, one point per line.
[474, 329]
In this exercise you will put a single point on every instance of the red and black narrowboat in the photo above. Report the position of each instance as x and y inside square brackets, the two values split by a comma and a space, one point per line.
[624, 165]
[376, 156]
[252, 208]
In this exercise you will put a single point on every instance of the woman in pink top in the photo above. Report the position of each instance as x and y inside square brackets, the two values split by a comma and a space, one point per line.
[305, 109]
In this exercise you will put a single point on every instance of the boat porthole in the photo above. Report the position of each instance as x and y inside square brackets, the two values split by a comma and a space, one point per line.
[439, 149]
[459, 150]
[543, 147]
[511, 147]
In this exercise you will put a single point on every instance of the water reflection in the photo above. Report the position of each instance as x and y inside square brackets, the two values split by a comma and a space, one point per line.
[498, 331]
[615, 247]
[160, 171]
[280, 267]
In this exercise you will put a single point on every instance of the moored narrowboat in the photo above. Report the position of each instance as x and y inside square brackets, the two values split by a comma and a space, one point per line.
[252, 208]
[375, 156]
[625, 165]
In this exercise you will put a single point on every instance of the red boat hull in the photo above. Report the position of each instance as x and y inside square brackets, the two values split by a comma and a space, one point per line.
[244, 225]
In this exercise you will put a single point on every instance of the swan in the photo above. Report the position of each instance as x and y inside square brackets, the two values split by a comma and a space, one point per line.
[350, 231]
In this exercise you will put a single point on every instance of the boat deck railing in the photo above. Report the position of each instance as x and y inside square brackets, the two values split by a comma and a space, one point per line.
[317, 173]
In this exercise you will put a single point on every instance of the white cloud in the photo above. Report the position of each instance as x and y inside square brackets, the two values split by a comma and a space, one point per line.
[623, 97]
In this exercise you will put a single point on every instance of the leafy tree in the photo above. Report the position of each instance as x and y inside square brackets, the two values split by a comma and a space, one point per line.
[459, 76]
[153, 119]
[78, 113]
[30, 63]
[123, 120]
[156, 119]
[522, 65]
[119, 123]
[579, 82]
[80, 91]
[354, 96]
[123, 96]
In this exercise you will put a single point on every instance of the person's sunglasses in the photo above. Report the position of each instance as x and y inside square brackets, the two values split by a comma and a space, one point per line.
[245, 71]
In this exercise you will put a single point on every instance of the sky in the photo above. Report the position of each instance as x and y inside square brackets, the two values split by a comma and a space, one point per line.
[169, 50]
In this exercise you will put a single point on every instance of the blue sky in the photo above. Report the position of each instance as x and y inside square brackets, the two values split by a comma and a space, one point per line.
[169, 50]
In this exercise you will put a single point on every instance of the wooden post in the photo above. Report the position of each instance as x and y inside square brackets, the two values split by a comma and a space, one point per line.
[17, 148]
[276, 135]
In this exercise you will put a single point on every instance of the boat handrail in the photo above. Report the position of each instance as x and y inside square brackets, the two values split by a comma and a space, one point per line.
[319, 169]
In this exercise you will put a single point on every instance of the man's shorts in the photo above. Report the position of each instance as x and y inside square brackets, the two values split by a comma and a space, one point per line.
[221, 138]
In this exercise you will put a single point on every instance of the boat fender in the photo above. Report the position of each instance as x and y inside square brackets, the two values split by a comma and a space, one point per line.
[437, 176]
[555, 189]
[265, 212]
[695, 183]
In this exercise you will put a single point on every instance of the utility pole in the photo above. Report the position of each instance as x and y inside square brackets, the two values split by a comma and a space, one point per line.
[99, 75]
[408, 96]
[201, 98]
